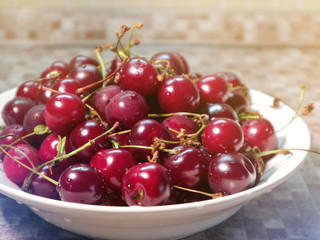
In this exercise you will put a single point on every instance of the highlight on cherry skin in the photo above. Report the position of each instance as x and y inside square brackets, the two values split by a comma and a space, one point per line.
[134, 130]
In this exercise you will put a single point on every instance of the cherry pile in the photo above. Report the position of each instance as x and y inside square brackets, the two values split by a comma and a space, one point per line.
[133, 131]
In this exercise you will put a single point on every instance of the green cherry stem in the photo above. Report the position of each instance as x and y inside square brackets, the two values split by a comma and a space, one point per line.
[84, 146]
[212, 195]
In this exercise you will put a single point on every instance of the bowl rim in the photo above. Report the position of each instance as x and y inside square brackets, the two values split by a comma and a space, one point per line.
[221, 203]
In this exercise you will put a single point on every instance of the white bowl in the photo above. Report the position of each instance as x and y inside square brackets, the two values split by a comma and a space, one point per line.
[172, 221]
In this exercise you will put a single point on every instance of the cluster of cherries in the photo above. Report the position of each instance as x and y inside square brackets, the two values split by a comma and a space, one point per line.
[139, 132]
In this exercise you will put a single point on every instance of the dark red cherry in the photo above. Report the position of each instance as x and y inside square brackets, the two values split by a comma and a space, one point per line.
[81, 60]
[139, 75]
[183, 62]
[238, 101]
[21, 153]
[169, 60]
[127, 108]
[58, 67]
[64, 111]
[45, 94]
[49, 150]
[180, 123]
[146, 184]
[232, 79]
[231, 173]
[85, 132]
[260, 133]
[38, 185]
[222, 135]
[67, 85]
[87, 74]
[113, 164]
[178, 94]
[11, 134]
[81, 183]
[15, 109]
[102, 97]
[33, 118]
[143, 133]
[188, 168]
[213, 89]
[216, 110]
[28, 89]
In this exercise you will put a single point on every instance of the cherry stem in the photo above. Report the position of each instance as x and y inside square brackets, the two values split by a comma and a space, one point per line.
[212, 195]
[33, 169]
[119, 133]
[108, 78]
[284, 151]
[150, 148]
[200, 116]
[297, 110]
[84, 146]
[103, 67]
[48, 89]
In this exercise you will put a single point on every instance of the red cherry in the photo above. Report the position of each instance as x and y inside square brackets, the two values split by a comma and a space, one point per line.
[213, 89]
[139, 75]
[113, 164]
[260, 133]
[127, 108]
[64, 111]
[231, 173]
[15, 109]
[222, 135]
[55, 68]
[178, 94]
[81, 60]
[188, 168]
[81, 183]
[146, 184]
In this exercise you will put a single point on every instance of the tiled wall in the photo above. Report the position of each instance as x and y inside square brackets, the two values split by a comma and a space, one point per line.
[213, 22]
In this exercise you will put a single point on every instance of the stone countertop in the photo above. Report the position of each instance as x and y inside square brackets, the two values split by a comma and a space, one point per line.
[290, 211]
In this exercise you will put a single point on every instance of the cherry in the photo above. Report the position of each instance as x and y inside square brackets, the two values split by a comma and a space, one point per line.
[188, 168]
[260, 133]
[23, 153]
[183, 61]
[113, 164]
[120, 139]
[28, 89]
[139, 75]
[222, 135]
[67, 85]
[114, 200]
[238, 102]
[11, 134]
[85, 132]
[232, 79]
[49, 150]
[213, 89]
[179, 123]
[60, 67]
[63, 111]
[33, 118]
[146, 184]
[102, 97]
[127, 108]
[216, 110]
[143, 133]
[14, 110]
[231, 173]
[178, 94]
[171, 60]
[38, 185]
[87, 74]
[82, 60]
[43, 94]
[81, 183]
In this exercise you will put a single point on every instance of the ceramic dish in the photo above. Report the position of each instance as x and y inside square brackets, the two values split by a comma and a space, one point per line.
[172, 221]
